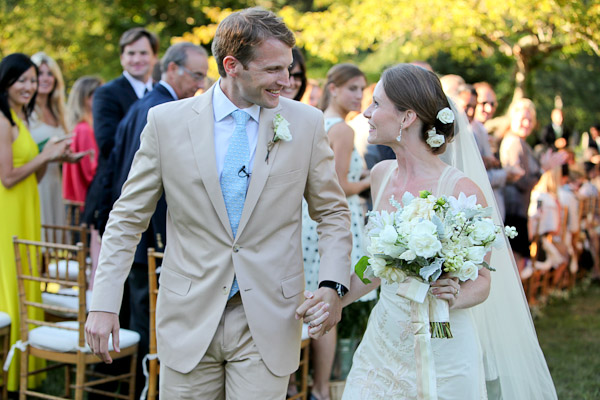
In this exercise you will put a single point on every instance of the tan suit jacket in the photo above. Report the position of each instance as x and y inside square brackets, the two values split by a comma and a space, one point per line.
[176, 156]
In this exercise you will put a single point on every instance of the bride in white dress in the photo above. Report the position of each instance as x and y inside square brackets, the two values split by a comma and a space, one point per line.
[494, 352]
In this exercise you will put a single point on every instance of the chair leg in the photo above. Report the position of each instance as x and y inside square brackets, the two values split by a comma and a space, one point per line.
[80, 375]
[132, 371]
[68, 381]
[24, 374]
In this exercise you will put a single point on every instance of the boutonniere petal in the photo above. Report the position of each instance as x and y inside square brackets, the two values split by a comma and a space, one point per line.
[281, 131]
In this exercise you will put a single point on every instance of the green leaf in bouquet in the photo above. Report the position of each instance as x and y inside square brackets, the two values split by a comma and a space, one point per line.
[360, 268]
[488, 266]
[424, 194]
[440, 227]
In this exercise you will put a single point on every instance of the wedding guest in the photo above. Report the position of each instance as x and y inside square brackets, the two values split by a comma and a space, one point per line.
[313, 93]
[514, 151]
[78, 176]
[297, 87]
[555, 131]
[22, 165]
[47, 120]
[343, 93]
[138, 53]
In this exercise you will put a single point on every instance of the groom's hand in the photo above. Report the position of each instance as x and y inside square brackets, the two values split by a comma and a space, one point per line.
[98, 327]
[321, 318]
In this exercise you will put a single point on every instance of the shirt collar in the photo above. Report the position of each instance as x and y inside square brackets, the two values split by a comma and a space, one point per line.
[222, 106]
[169, 88]
[139, 87]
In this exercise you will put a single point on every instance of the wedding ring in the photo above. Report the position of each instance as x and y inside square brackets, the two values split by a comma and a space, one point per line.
[457, 291]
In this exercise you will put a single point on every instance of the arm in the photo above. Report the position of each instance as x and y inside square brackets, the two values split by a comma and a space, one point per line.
[107, 113]
[9, 175]
[129, 218]
[341, 139]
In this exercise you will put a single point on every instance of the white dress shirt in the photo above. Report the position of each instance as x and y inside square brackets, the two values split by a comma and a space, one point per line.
[169, 89]
[225, 125]
[138, 86]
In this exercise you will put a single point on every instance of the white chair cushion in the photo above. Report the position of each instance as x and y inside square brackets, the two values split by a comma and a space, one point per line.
[65, 298]
[4, 319]
[62, 269]
[56, 339]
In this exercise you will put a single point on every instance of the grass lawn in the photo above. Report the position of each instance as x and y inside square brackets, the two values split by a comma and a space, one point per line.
[568, 331]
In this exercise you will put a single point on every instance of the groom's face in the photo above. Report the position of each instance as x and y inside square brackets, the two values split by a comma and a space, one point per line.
[261, 80]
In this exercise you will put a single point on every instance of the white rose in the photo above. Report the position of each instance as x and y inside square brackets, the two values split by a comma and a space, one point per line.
[283, 131]
[389, 274]
[424, 245]
[467, 271]
[476, 254]
[388, 235]
[434, 139]
[483, 230]
[408, 255]
[445, 115]
[425, 228]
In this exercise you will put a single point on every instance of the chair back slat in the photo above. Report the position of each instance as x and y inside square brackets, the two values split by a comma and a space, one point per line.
[33, 262]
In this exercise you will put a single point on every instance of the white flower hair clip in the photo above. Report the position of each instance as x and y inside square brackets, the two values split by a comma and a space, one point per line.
[435, 139]
[445, 116]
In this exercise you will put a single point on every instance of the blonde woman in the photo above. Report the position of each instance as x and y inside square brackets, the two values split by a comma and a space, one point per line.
[48, 120]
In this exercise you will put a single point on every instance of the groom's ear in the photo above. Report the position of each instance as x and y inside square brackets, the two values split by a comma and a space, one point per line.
[231, 65]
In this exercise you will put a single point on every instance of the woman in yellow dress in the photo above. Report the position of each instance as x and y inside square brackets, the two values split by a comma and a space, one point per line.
[22, 165]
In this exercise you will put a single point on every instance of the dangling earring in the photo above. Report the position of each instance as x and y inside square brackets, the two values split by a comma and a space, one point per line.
[399, 137]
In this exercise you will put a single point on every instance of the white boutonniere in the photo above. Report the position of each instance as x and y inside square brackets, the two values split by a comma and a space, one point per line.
[281, 132]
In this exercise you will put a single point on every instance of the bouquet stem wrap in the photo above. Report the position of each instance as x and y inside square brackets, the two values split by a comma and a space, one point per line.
[416, 292]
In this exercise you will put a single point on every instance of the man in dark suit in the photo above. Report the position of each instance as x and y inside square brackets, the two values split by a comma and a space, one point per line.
[554, 131]
[184, 67]
[139, 49]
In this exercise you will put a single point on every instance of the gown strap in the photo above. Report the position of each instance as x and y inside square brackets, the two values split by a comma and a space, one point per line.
[448, 180]
[384, 183]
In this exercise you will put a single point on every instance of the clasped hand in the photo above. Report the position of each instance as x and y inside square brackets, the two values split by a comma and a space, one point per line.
[321, 310]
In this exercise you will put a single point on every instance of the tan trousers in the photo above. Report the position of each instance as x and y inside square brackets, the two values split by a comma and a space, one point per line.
[231, 369]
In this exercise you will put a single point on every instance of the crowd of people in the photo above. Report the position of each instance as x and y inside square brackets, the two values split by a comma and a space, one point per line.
[89, 150]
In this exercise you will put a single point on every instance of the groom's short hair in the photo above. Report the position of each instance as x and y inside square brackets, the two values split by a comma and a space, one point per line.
[240, 32]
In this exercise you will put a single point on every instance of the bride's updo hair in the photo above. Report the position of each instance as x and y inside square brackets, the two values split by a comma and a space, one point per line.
[414, 88]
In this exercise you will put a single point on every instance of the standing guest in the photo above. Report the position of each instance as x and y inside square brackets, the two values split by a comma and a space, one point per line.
[47, 120]
[550, 135]
[514, 151]
[234, 164]
[138, 49]
[22, 165]
[342, 94]
[185, 66]
[295, 90]
[313, 93]
[78, 176]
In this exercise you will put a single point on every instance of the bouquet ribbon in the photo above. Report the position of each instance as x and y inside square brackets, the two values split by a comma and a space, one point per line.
[425, 311]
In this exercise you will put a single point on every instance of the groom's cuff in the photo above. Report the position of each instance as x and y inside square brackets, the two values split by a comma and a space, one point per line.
[338, 287]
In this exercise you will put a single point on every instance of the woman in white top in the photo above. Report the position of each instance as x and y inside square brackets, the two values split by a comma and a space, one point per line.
[48, 120]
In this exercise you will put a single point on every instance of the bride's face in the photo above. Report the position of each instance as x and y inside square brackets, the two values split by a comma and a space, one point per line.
[384, 118]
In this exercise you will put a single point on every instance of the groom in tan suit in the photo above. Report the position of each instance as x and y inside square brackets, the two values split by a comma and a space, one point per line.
[230, 282]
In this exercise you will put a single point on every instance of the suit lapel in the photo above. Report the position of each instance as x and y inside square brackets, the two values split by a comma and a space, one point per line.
[201, 131]
[261, 168]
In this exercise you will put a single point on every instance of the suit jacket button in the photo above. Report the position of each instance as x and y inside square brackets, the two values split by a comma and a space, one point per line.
[225, 290]
[236, 248]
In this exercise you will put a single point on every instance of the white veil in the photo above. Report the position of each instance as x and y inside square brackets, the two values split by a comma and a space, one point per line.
[515, 367]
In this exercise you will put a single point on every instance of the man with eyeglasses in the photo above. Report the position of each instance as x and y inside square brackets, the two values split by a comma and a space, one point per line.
[184, 67]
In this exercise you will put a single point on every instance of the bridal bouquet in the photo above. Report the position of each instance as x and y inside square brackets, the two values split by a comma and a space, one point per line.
[424, 238]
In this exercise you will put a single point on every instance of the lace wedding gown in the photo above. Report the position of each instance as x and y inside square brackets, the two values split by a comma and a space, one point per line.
[384, 365]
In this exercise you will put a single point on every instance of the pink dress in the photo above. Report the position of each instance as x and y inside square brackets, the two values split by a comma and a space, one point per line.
[78, 176]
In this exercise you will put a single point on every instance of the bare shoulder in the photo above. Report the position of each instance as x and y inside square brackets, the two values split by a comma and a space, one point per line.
[341, 132]
[5, 127]
[379, 171]
[469, 188]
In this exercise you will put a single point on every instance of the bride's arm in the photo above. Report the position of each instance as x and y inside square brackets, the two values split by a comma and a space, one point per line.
[358, 289]
[469, 293]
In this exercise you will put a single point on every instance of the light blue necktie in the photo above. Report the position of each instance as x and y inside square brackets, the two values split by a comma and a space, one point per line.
[234, 178]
